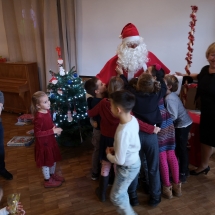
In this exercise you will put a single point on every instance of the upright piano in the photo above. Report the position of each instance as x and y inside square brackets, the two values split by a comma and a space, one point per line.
[18, 82]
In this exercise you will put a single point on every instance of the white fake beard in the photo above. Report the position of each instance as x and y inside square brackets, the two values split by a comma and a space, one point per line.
[132, 59]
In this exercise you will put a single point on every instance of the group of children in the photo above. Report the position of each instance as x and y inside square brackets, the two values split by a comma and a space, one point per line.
[136, 122]
[160, 139]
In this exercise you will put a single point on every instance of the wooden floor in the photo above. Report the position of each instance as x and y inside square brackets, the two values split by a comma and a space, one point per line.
[76, 195]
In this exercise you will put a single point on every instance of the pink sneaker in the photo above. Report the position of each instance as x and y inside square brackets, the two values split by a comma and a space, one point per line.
[52, 183]
[57, 177]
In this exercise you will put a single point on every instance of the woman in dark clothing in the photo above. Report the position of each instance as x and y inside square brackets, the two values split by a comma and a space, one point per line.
[206, 94]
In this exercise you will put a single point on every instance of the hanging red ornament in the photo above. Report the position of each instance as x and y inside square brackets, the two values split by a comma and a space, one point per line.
[53, 80]
[58, 49]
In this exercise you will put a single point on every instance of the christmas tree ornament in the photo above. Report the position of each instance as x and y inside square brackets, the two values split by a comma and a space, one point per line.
[74, 112]
[75, 75]
[69, 81]
[50, 94]
[69, 116]
[53, 80]
[58, 49]
[54, 115]
[61, 71]
[60, 61]
[191, 39]
[60, 91]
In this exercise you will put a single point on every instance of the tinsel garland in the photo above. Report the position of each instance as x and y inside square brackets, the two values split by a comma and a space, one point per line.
[190, 50]
[191, 39]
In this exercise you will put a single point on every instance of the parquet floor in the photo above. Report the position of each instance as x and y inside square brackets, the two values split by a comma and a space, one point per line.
[76, 196]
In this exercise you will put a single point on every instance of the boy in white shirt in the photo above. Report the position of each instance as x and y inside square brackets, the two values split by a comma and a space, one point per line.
[125, 153]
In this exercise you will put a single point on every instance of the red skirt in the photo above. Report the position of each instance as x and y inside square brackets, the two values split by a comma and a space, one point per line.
[46, 151]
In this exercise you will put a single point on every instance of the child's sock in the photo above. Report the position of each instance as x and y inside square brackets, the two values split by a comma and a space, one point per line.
[52, 169]
[46, 172]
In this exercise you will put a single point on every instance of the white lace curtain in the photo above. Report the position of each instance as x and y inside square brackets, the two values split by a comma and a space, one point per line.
[34, 28]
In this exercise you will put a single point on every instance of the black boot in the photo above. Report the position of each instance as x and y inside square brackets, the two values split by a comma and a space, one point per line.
[133, 199]
[101, 190]
[145, 187]
[5, 174]
[154, 200]
[111, 176]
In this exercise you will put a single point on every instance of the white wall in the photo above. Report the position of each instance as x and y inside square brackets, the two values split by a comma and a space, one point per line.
[164, 25]
[3, 40]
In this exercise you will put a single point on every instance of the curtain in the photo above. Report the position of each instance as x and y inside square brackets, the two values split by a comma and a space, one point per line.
[34, 28]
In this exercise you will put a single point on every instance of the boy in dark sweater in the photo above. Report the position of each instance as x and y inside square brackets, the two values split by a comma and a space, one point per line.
[97, 89]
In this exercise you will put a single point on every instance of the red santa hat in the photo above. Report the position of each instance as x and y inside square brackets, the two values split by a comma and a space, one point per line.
[129, 33]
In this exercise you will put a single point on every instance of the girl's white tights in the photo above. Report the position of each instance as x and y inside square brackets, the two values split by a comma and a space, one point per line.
[52, 169]
[48, 170]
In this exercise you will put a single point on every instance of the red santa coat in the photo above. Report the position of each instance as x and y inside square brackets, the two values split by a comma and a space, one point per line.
[109, 69]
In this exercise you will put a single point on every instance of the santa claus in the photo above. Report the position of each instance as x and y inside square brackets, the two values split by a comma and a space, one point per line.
[132, 56]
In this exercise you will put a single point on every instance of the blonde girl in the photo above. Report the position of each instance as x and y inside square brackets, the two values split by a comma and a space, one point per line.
[47, 152]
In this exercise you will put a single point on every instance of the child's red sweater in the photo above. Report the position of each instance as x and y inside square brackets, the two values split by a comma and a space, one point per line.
[108, 122]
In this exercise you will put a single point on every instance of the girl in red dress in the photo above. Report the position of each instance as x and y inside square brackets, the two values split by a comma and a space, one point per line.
[47, 152]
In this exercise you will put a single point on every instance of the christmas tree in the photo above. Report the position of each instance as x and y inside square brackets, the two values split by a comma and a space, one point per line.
[68, 104]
